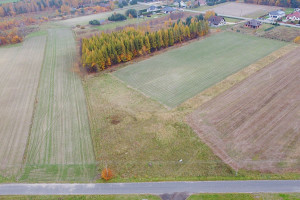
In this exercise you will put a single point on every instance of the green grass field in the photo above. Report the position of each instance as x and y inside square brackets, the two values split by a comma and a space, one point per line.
[60, 146]
[179, 74]
[235, 196]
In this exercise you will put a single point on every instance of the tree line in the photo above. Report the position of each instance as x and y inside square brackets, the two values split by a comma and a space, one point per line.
[283, 3]
[27, 6]
[12, 31]
[101, 51]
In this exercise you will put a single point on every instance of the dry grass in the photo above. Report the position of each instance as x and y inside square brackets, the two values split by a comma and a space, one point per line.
[149, 140]
[138, 138]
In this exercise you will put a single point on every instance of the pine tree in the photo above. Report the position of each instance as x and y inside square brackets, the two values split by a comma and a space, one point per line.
[147, 44]
[171, 37]
[165, 37]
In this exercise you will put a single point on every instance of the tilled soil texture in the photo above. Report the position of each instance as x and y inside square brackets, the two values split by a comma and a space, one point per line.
[20, 68]
[256, 124]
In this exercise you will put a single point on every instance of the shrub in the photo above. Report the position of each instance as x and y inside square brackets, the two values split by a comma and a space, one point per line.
[131, 12]
[268, 29]
[124, 3]
[106, 174]
[94, 22]
[297, 40]
[117, 17]
[133, 2]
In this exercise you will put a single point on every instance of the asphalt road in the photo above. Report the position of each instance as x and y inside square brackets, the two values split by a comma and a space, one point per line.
[267, 186]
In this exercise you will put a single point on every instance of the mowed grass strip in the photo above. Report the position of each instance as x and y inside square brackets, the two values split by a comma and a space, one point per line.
[60, 146]
[179, 74]
[20, 68]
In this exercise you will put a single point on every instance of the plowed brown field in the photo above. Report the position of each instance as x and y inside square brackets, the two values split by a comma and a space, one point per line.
[256, 124]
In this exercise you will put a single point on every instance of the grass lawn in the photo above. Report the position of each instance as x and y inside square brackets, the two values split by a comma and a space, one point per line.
[114, 25]
[84, 20]
[289, 11]
[234, 196]
[82, 197]
[234, 20]
[179, 74]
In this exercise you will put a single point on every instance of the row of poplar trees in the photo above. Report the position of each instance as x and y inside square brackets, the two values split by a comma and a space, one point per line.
[106, 49]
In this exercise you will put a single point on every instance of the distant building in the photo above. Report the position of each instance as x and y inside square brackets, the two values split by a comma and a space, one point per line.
[153, 9]
[182, 4]
[278, 14]
[168, 9]
[253, 23]
[216, 21]
[293, 16]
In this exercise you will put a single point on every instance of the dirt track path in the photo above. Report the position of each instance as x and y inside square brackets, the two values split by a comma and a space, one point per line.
[19, 77]
[256, 124]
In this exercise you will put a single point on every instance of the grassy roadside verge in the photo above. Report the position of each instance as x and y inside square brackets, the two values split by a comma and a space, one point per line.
[81, 197]
[255, 196]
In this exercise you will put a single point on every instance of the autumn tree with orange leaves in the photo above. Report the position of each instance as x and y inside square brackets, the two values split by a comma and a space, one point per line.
[107, 174]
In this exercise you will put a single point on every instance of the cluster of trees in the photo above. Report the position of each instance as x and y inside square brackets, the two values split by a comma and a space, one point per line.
[122, 4]
[284, 3]
[117, 17]
[214, 2]
[10, 37]
[27, 6]
[133, 2]
[131, 13]
[94, 22]
[102, 51]
[13, 23]
[11, 29]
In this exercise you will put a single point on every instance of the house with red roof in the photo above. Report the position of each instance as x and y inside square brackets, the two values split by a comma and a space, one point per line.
[293, 16]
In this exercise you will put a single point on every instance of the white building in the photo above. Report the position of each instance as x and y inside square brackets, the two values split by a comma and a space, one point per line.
[278, 14]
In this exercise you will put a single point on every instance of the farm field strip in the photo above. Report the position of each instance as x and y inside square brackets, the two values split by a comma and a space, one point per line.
[19, 76]
[175, 76]
[60, 145]
[243, 9]
[255, 125]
